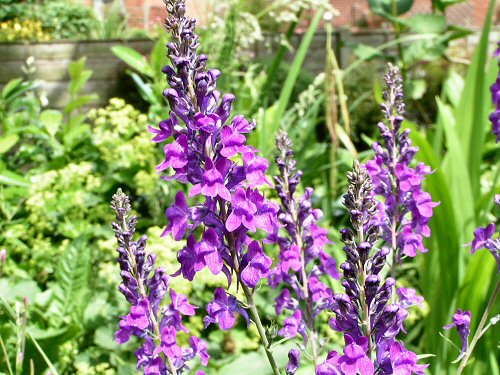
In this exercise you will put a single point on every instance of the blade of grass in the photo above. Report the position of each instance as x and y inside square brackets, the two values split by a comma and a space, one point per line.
[30, 336]
[294, 72]
[471, 114]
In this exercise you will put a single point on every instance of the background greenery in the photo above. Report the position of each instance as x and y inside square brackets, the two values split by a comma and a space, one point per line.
[59, 168]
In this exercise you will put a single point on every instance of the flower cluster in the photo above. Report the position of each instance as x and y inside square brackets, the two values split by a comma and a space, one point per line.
[495, 98]
[302, 259]
[406, 209]
[144, 286]
[208, 153]
[369, 322]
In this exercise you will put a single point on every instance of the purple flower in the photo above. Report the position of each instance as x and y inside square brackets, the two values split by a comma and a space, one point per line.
[291, 259]
[136, 320]
[233, 142]
[243, 211]
[481, 236]
[330, 366]
[175, 154]
[495, 98]
[166, 129]
[208, 249]
[255, 168]
[200, 349]
[399, 185]
[190, 259]
[355, 361]
[177, 217]
[293, 362]
[397, 360]
[221, 310]
[284, 300]
[144, 287]
[255, 264]
[408, 297]
[461, 321]
[168, 344]
[293, 325]
[212, 183]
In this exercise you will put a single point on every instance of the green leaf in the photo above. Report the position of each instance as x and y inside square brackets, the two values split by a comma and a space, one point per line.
[457, 171]
[134, 59]
[10, 87]
[472, 113]
[426, 23]
[79, 102]
[7, 142]
[52, 121]
[72, 276]
[453, 88]
[442, 4]
[78, 75]
[269, 129]
[383, 7]
[10, 178]
[366, 52]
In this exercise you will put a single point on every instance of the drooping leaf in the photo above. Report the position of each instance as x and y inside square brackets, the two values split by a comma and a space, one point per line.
[134, 59]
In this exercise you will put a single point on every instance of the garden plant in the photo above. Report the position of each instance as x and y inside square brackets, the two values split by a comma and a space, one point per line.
[309, 240]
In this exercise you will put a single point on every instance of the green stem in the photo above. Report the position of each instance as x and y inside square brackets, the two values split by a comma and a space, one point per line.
[260, 328]
[5, 356]
[479, 331]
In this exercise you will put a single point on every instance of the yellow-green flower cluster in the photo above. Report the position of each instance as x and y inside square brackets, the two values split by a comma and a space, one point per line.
[15, 29]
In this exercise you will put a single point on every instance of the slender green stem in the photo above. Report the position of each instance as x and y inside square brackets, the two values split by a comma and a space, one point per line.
[5, 356]
[479, 331]
[260, 328]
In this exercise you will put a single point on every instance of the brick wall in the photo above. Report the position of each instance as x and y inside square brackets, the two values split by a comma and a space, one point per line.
[147, 13]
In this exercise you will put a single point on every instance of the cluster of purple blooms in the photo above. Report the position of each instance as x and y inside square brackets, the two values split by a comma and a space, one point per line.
[364, 314]
[208, 153]
[406, 209]
[205, 154]
[302, 259]
[144, 286]
[495, 98]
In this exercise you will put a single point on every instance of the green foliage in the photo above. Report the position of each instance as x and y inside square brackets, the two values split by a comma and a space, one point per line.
[66, 20]
[395, 7]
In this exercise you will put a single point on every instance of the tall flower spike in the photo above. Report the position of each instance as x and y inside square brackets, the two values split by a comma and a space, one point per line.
[406, 209]
[495, 98]
[302, 260]
[209, 154]
[369, 322]
[144, 286]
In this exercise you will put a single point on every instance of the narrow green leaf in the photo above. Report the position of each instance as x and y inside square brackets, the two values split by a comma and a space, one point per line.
[270, 129]
[471, 114]
[134, 59]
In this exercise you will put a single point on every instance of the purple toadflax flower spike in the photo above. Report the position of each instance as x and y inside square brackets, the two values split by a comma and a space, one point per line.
[302, 259]
[209, 154]
[495, 98]
[144, 287]
[461, 321]
[406, 209]
[370, 323]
